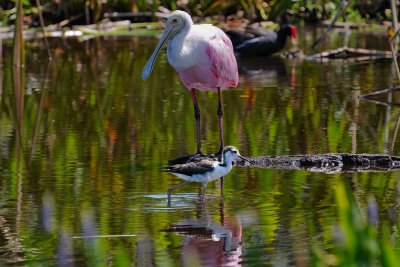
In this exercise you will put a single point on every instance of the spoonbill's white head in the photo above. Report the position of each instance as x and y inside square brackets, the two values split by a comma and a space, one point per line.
[178, 21]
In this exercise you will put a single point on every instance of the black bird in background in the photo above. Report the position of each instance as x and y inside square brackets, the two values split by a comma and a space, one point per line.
[259, 41]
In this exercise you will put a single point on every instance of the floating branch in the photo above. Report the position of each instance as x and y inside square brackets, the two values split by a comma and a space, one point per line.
[385, 91]
[348, 52]
[365, 27]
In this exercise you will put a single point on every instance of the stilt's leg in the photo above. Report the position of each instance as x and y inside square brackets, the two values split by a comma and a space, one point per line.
[197, 117]
[222, 186]
[200, 189]
[204, 192]
[172, 188]
[204, 188]
[221, 131]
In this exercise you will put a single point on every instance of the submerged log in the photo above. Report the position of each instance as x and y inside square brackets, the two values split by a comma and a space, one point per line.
[348, 54]
[357, 26]
[326, 163]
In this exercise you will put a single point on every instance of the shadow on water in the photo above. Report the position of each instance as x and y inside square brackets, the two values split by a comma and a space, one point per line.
[269, 70]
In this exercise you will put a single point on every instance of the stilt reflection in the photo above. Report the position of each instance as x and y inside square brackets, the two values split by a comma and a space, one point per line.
[210, 242]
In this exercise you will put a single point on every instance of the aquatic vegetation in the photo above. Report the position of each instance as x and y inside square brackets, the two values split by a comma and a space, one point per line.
[359, 240]
[92, 11]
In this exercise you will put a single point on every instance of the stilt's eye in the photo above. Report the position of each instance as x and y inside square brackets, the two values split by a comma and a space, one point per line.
[234, 151]
[174, 20]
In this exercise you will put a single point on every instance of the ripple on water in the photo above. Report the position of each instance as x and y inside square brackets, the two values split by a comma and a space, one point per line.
[179, 201]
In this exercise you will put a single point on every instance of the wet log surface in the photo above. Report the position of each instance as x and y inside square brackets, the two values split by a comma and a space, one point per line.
[326, 163]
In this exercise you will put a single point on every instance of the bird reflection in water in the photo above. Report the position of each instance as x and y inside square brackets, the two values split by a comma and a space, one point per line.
[275, 71]
[209, 242]
[254, 67]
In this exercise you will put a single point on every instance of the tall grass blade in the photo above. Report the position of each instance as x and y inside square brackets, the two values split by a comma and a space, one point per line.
[19, 47]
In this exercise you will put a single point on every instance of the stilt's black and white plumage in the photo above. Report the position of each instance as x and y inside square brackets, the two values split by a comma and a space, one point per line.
[204, 171]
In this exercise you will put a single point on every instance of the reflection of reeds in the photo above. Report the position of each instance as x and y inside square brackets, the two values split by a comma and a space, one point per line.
[18, 82]
[1, 70]
[1, 56]
[40, 109]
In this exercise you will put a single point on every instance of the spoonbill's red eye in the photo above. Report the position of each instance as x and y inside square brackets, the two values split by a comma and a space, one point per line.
[174, 20]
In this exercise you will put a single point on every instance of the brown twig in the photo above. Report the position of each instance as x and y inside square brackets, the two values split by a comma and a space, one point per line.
[385, 91]
[395, 133]
[395, 35]
[325, 33]
[383, 103]
[71, 19]
[394, 56]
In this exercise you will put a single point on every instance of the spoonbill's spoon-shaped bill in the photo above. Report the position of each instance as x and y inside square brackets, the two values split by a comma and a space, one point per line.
[167, 34]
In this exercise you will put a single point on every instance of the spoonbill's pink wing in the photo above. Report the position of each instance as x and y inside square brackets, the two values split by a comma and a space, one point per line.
[223, 61]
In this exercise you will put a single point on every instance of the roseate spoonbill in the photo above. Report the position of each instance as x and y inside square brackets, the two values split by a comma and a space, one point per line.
[203, 57]
[259, 41]
[204, 171]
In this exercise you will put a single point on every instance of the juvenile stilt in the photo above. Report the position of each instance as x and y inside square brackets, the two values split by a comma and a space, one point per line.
[204, 171]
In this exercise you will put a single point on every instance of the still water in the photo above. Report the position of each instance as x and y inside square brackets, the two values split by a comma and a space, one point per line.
[82, 141]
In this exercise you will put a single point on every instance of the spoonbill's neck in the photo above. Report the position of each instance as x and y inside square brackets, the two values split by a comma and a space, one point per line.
[178, 41]
[178, 48]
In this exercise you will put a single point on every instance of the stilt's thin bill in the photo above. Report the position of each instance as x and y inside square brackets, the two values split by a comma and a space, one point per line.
[148, 68]
[243, 158]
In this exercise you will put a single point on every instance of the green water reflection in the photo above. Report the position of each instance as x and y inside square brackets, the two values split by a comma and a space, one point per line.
[82, 140]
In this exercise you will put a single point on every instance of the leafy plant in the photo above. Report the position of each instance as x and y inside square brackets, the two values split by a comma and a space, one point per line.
[358, 242]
